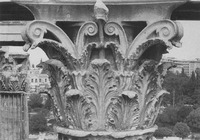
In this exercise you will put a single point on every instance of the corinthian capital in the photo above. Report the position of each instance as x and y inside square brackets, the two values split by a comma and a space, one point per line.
[107, 83]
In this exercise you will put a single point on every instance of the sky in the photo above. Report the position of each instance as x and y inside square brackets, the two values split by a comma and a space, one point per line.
[35, 54]
[190, 49]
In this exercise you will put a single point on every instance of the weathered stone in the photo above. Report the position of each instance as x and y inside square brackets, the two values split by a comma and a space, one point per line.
[13, 101]
[107, 83]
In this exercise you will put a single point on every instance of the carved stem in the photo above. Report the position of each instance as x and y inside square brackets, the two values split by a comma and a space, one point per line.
[101, 37]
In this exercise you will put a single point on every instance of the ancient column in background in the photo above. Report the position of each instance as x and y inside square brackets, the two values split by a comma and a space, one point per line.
[13, 102]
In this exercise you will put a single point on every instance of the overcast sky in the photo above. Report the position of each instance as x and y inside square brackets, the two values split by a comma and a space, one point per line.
[190, 45]
[190, 42]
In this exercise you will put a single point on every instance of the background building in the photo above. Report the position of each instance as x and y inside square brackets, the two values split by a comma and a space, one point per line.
[37, 81]
[188, 65]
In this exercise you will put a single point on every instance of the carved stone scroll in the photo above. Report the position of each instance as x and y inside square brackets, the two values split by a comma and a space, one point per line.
[165, 30]
[34, 33]
[87, 29]
[112, 28]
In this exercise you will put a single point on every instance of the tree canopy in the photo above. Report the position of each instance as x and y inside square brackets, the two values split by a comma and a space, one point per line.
[183, 89]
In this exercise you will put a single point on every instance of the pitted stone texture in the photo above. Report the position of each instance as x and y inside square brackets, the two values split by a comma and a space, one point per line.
[107, 80]
[64, 137]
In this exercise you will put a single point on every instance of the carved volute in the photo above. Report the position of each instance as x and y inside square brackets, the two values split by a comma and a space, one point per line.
[104, 86]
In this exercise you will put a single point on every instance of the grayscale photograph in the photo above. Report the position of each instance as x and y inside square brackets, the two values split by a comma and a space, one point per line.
[99, 69]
